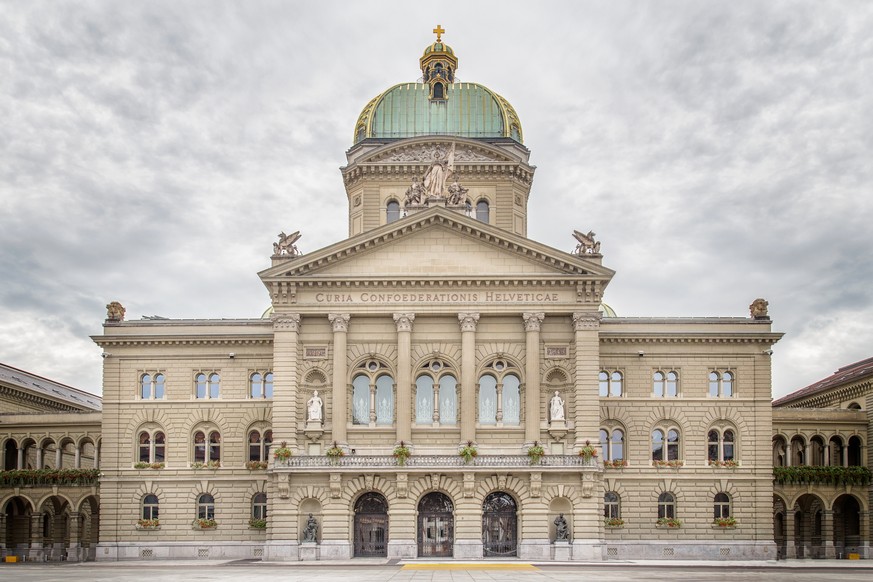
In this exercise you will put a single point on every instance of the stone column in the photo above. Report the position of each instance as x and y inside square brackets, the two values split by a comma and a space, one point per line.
[532, 324]
[286, 333]
[587, 347]
[827, 533]
[790, 544]
[77, 460]
[59, 456]
[20, 458]
[36, 538]
[468, 403]
[403, 321]
[75, 533]
[339, 411]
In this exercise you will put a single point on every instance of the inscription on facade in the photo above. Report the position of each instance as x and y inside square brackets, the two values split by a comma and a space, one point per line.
[557, 352]
[507, 297]
[315, 353]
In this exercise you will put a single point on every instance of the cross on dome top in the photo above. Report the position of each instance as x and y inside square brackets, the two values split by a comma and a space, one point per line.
[439, 30]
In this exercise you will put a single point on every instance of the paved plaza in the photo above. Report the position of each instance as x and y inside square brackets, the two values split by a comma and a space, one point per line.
[379, 571]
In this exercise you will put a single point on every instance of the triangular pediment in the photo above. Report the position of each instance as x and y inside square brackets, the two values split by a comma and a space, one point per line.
[438, 244]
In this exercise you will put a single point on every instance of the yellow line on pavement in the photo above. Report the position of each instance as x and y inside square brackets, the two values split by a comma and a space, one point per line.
[457, 566]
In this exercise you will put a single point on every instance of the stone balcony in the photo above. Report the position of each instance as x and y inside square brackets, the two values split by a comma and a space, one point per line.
[427, 463]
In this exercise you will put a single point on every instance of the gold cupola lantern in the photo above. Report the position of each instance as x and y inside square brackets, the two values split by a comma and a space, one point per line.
[438, 66]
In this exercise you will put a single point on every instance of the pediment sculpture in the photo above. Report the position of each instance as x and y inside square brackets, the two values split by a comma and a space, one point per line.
[433, 152]
[587, 245]
[286, 247]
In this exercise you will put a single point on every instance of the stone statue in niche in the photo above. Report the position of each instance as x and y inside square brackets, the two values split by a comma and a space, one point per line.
[313, 408]
[286, 246]
[310, 533]
[587, 245]
[562, 531]
[556, 407]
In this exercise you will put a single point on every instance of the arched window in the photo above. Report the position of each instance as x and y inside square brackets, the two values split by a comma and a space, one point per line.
[483, 211]
[511, 399]
[665, 384]
[487, 399]
[151, 386]
[392, 211]
[207, 447]
[205, 506]
[720, 447]
[438, 91]
[448, 400]
[721, 384]
[256, 384]
[259, 506]
[207, 386]
[424, 400]
[150, 507]
[259, 446]
[610, 383]
[612, 444]
[372, 400]
[268, 385]
[854, 454]
[436, 394]
[721, 506]
[666, 506]
[611, 505]
[665, 445]
[152, 447]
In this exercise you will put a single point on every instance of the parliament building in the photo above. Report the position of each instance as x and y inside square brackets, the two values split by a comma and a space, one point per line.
[436, 385]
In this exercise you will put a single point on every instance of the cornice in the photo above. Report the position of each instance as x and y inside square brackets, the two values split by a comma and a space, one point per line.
[401, 172]
[124, 340]
[827, 398]
[688, 337]
[33, 399]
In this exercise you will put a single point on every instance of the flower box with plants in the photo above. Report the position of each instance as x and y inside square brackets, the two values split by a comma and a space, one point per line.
[613, 522]
[588, 452]
[197, 465]
[824, 475]
[145, 465]
[724, 522]
[468, 452]
[148, 524]
[256, 465]
[335, 453]
[256, 523]
[669, 522]
[283, 453]
[674, 464]
[616, 464]
[728, 464]
[203, 523]
[535, 453]
[401, 453]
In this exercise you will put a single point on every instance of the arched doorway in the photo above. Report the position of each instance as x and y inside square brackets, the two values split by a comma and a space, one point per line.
[436, 525]
[371, 526]
[18, 523]
[847, 525]
[499, 525]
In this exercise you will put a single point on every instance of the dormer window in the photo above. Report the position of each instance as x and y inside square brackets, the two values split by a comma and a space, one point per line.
[438, 91]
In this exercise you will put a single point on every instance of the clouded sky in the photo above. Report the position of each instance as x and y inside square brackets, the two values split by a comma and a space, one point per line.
[150, 152]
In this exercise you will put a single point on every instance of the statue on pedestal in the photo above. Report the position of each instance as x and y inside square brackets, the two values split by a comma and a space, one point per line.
[313, 407]
[556, 407]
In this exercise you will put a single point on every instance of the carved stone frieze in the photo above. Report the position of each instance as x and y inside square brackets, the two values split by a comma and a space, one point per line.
[533, 321]
[286, 321]
[589, 292]
[586, 321]
[403, 321]
[468, 321]
[339, 321]
[430, 152]
[536, 484]
[402, 485]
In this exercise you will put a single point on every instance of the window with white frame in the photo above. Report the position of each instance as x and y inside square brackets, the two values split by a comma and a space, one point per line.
[500, 394]
[612, 444]
[720, 446]
[152, 446]
[259, 506]
[150, 507]
[207, 446]
[665, 384]
[205, 506]
[721, 506]
[207, 385]
[372, 399]
[666, 506]
[610, 383]
[611, 505]
[261, 385]
[721, 384]
[436, 394]
[665, 444]
[151, 386]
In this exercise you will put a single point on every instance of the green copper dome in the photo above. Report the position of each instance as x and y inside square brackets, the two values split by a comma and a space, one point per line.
[438, 47]
[468, 110]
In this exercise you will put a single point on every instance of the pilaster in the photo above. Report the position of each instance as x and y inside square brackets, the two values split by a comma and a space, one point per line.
[403, 321]
[339, 412]
[468, 322]
[532, 324]
[587, 353]
[286, 332]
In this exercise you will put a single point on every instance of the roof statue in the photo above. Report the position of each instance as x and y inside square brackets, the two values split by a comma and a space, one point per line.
[115, 311]
[587, 245]
[286, 247]
[758, 309]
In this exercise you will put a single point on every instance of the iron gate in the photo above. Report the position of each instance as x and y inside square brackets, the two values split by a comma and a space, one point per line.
[371, 526]
[436, 526]
[499, 525]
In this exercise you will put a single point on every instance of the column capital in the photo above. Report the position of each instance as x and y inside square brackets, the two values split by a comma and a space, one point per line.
[286, 321]
[586, 321]
[533, 321]
[403, 321]
[339, 321]
[468, 321]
